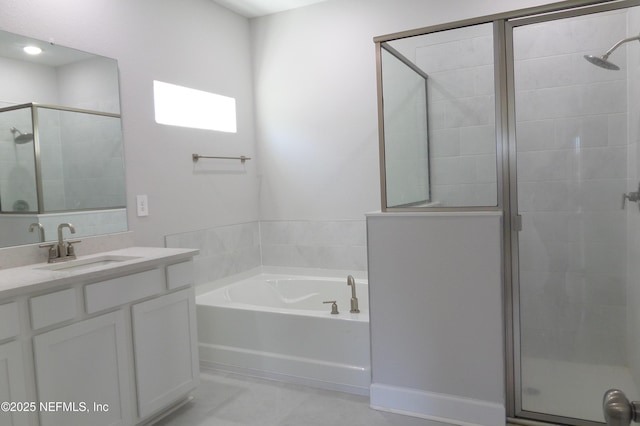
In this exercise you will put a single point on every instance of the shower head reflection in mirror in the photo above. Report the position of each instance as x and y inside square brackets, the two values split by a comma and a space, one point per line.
[19, 137]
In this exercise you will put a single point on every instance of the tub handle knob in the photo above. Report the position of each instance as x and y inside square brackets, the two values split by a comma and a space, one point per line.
[334, 307]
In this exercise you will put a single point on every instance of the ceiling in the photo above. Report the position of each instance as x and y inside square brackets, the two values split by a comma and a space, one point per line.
[255, 8]
[52, 55]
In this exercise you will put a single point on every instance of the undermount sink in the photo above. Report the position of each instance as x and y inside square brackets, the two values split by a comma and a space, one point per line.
[74, 265]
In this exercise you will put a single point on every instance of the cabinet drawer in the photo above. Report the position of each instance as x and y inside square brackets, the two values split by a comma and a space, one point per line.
[180, 275]
[120, 291]
[9, 320]
[53, 308]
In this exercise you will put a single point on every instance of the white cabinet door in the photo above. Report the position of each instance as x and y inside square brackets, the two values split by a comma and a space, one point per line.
[81, 365]
[12, 384]
[165, 350]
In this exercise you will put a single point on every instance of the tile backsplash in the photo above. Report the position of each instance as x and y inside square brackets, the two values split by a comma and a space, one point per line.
[314, 244]
[224, 250]
[232, 249]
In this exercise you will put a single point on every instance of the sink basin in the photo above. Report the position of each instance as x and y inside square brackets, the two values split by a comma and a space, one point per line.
[74, 265]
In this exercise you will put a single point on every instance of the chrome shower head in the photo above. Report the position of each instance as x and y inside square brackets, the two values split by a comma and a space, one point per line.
[21, 138]
[602, 62]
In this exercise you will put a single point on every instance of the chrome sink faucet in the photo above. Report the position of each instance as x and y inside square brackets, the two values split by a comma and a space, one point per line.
[354, 300]
[62, 250]
[38, 225]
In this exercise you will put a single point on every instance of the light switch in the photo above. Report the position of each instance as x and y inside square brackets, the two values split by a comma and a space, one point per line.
[143, 205]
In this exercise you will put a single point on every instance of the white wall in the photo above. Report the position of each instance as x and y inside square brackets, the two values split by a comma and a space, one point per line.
[435, 291]
[90, 84]
[314, 73]
[24, 82]
[161, 40]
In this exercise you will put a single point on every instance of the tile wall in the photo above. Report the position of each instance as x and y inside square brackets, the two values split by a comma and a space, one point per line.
[572, 170]
[229, 250]
[87, 169]
[224, 250]
[315, 244]
[461, 101]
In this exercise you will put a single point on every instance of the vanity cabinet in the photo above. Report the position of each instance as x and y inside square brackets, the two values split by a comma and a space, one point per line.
[85, 364]
[165, 343]
[112, 347]
[12, 383]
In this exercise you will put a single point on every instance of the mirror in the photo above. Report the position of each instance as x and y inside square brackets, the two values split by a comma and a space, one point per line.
[61, 147]
[438, 139]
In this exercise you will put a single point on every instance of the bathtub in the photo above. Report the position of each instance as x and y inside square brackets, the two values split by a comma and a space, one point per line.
[277, 326]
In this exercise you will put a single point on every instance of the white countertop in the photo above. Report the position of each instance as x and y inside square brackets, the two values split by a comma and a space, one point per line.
[33, 278]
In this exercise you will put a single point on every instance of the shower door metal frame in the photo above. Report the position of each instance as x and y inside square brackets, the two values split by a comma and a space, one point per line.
[503, 24]
[35, 125]
[500, 86]
[515, 413]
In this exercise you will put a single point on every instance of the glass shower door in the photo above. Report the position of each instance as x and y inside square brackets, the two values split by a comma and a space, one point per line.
[578, 248]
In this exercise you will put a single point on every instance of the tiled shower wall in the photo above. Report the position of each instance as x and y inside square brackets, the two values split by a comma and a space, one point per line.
[229, 250]
[81, 168]
[17, 165]
[572, 170]
[461, 106]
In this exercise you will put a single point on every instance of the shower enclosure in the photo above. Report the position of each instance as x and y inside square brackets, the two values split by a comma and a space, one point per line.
[57, 159]
[576, 250]
[565, 89]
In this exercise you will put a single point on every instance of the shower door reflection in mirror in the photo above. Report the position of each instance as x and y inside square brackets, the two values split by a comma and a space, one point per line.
[577, 128]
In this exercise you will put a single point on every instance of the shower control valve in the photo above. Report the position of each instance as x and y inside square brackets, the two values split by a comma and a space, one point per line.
[334, 307]
[631, 196]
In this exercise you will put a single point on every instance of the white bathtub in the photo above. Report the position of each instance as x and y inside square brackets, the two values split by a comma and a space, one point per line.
[276, 326]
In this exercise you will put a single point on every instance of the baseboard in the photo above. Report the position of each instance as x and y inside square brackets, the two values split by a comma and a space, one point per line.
[434, 406]
[306, 371]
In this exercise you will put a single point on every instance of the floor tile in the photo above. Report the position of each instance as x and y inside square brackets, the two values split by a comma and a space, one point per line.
[224, 399]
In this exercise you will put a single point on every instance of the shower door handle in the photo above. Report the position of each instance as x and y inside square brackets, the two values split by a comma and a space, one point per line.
[617, 409]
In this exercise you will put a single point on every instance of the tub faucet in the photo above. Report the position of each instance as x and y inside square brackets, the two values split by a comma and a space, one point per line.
[354, 300]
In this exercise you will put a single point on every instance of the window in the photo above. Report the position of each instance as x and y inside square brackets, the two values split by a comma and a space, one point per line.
[182, 106]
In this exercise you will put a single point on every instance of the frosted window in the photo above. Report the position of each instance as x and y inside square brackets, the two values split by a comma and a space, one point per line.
[182, 106]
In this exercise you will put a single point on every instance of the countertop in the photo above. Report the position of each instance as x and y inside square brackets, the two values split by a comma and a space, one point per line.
[33, 278]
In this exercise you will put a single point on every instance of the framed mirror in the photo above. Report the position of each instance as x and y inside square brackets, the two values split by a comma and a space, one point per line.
[61, 147]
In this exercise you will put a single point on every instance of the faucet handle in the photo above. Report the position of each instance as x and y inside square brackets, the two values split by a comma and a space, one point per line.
[71, 250]
[53, 250]
[334, 307]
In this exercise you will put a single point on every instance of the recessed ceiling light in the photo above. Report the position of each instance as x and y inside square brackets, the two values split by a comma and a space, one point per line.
[32, 50]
